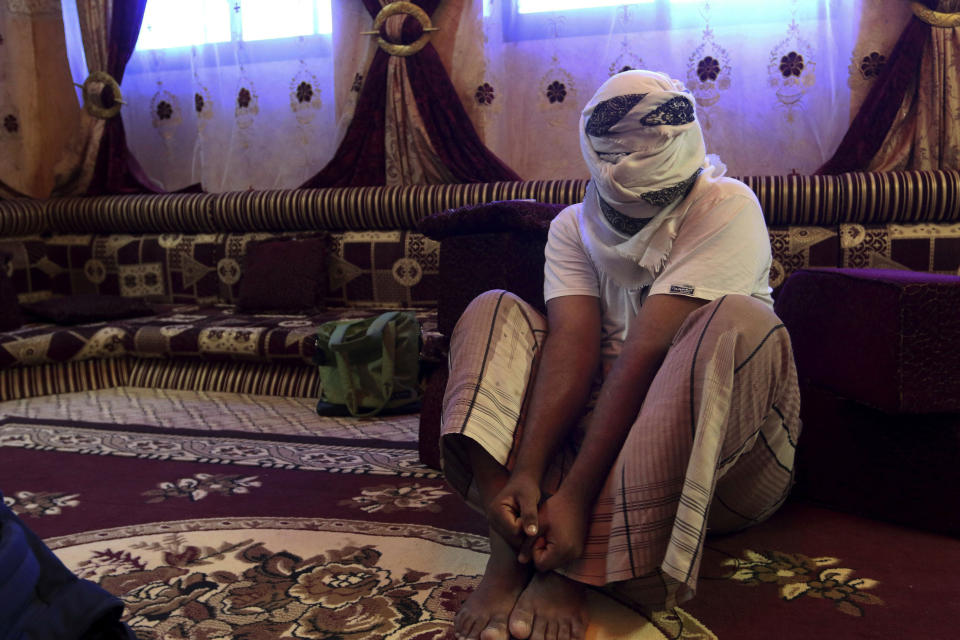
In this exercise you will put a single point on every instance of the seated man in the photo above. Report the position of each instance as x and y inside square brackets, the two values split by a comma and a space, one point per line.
[657, 400]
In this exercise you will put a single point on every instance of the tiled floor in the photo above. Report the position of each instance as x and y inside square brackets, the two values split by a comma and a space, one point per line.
[209, 411]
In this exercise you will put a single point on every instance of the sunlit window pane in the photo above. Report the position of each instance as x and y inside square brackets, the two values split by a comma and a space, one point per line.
[268, 19]
[181, 23]
[541, 6]
[538, 6]
[324, 17]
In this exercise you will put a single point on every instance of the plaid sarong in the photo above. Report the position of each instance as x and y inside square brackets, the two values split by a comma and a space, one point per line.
[711, 449]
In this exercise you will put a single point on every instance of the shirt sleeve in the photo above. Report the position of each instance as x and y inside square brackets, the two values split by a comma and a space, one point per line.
[721, 248]
[568, 270]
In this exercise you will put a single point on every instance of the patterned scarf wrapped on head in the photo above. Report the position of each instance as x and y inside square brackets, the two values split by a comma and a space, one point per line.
[640, 138]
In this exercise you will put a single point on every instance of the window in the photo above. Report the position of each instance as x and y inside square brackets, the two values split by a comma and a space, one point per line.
[541, 6]
[180, 34]
[168, 24]
[543, 19]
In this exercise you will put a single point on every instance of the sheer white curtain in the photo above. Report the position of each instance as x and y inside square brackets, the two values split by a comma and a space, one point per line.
[776, 83]
[252, 108]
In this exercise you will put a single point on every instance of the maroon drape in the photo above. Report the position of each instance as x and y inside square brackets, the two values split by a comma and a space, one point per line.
[879, 109]
[360, 160]
[116, 170]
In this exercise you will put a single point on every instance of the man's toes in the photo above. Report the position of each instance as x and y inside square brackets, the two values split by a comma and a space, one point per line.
[539, 628]
[472, 627]
[462, 624]
[496, 629]
[521, 622]
[553, 630]
[571, 629]
[578, 628]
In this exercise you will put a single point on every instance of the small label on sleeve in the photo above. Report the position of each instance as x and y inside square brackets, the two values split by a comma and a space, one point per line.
[682, 289]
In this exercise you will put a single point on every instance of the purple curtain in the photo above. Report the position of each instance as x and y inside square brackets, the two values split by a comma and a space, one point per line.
[116, 170]
[360, 159]
[879, 109]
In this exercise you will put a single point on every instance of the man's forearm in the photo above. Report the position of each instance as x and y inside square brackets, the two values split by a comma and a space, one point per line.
[568, 366]
[624, 391]
[621, 398]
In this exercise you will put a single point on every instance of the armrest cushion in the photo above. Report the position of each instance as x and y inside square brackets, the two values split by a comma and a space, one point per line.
[887, 339]
[496, 245]
[470, 265]
[490, 217]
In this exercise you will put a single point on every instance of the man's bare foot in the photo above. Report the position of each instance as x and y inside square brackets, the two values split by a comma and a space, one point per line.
[485, 613]
[552, 607]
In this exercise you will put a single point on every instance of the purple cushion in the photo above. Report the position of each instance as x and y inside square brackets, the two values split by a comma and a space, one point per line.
[472, 264]
[287, 275]
[87, 307]
[491, 217]
[887, 339]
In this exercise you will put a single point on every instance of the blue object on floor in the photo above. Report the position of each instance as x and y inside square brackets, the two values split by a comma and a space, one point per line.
[41, 598]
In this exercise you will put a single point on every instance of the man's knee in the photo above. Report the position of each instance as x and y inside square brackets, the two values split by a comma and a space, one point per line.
[739, 320]
[739, 311]
[746, 315]
[486, 306]
[495, 297]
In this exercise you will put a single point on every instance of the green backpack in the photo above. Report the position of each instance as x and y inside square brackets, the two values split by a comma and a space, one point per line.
[369, 366]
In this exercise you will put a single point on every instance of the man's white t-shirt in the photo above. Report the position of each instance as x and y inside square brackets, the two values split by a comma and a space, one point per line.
[722, 247]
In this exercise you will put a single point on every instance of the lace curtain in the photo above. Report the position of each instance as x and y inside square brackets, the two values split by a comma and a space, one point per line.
[241, 115]
[776, 85]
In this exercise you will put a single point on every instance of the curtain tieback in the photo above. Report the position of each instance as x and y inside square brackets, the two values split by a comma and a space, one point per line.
[101, 95]
[935, 18]
[412, 10]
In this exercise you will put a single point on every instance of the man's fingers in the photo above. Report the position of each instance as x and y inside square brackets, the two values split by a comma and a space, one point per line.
[513, 514]
[528, 515]
[542, 557]
[549, 556]
[505, 520]
[525, 552]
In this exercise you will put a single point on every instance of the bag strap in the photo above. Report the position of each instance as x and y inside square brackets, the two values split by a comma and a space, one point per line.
[343, 350]
[372, 335]
[336, 338]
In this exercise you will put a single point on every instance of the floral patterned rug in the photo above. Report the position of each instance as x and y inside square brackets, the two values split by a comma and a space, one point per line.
[208, 535]
[810, 572]
[261, 536]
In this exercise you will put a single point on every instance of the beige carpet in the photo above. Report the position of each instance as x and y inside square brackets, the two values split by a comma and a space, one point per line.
[209, 411]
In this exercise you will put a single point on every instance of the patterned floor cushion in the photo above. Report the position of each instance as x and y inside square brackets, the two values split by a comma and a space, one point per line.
[215, 332]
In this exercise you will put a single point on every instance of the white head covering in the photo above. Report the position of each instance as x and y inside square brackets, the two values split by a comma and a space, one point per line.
[643, 145]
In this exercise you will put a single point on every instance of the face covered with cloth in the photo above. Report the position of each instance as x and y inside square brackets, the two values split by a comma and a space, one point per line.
[642, 143]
